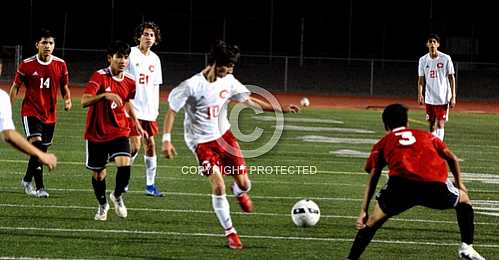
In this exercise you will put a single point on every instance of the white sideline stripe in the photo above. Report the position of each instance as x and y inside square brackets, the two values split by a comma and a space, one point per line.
[235, 213]
[171, 233]
[495, 214]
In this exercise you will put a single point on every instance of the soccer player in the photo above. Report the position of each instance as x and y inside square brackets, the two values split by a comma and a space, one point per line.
[145, 65]
[107, 96]
[10, 135]
[436, 77]
[41, 74]
[207, 130]
[417, 163]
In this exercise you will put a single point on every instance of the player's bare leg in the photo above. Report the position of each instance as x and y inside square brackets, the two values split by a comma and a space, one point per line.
[135, 143]
[241, 187]
[366, 234]
[222, 209]
[150, 162]
[439, 131]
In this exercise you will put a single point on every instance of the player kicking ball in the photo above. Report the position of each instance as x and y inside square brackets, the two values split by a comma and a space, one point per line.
[204, 98]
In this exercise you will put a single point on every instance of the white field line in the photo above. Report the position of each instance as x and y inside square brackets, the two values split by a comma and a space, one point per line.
[234, 213]
[181, 234]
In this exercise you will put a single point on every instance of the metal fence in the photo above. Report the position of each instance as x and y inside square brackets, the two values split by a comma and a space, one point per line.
[321, 75]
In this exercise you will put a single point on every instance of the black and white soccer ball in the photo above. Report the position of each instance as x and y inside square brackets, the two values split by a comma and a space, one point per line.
[305, 213]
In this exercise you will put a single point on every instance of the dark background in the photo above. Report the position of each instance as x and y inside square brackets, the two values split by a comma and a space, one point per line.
[352, 28]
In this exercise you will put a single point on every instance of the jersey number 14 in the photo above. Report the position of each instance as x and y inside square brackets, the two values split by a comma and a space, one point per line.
[45, 83]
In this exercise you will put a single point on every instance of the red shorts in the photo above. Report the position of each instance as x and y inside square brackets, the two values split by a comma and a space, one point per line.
[151, 127]
[224, 153]
[437, 112]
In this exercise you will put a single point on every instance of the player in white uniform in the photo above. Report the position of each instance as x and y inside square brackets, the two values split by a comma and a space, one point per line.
[145, 65]
[436, 77]
[10, 135]
[204, 98]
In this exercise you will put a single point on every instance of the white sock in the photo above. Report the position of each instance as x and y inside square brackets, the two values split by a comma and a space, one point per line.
[222, 210]
[238, 191]
[440, 133]
[150, 163]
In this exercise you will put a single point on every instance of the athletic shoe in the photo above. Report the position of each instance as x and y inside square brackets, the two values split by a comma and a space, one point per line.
[119, 205]
[468, 252]
[41, 193]
[234, 242]
[28, 188]
[245, 202]
[151, 190]
[102, 212]
[125, 190]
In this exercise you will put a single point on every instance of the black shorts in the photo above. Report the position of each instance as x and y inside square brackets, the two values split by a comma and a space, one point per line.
[99, 154]
[35, 127]
[399, 195]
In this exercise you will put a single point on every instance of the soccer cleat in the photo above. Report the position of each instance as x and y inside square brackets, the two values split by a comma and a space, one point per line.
[102, 212]
[119, 205]
[125, 190]
[28, 188]
[151, 190]
[41, 193]
[468, 252]
[245, 202]
[234, 242]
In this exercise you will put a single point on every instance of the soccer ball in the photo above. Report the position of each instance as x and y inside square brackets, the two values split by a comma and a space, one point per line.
[305, 213]
[305, 102]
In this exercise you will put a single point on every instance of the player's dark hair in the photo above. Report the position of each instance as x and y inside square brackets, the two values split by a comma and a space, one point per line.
[433, 36]
[147, 25]
[394, 115]
[44, 33]
[223, 54]
[118, 47]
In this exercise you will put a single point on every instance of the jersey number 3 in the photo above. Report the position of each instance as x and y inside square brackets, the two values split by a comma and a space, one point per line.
[406, 138]
[45, 83]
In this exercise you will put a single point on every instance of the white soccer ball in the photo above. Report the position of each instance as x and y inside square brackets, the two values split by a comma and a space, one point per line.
[305, 213]
[304, 102]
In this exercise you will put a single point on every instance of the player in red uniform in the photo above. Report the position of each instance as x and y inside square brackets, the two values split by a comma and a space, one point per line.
[418, 176]
[107, 96]
[41, 74]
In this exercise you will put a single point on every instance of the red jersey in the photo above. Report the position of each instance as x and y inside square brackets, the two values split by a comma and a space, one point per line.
[41, 79]
[411, 154]
[105, 120]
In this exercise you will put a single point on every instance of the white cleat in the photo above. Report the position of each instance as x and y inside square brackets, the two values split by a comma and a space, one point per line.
[119, 205]
[28, 188]
[41, 193]
[468, 252]
[102, 212]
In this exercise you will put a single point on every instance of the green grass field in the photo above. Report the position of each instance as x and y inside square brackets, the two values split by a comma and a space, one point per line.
[182, 225]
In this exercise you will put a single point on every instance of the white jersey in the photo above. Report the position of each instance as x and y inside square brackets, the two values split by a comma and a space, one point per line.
[148, 77]
[6, 122]
[206, 106]
[436, 72]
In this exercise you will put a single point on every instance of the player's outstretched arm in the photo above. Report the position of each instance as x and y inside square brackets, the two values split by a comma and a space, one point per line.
[368, 195]
[168, 149]
[17, 141]
[265, 106]
[454, 167]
